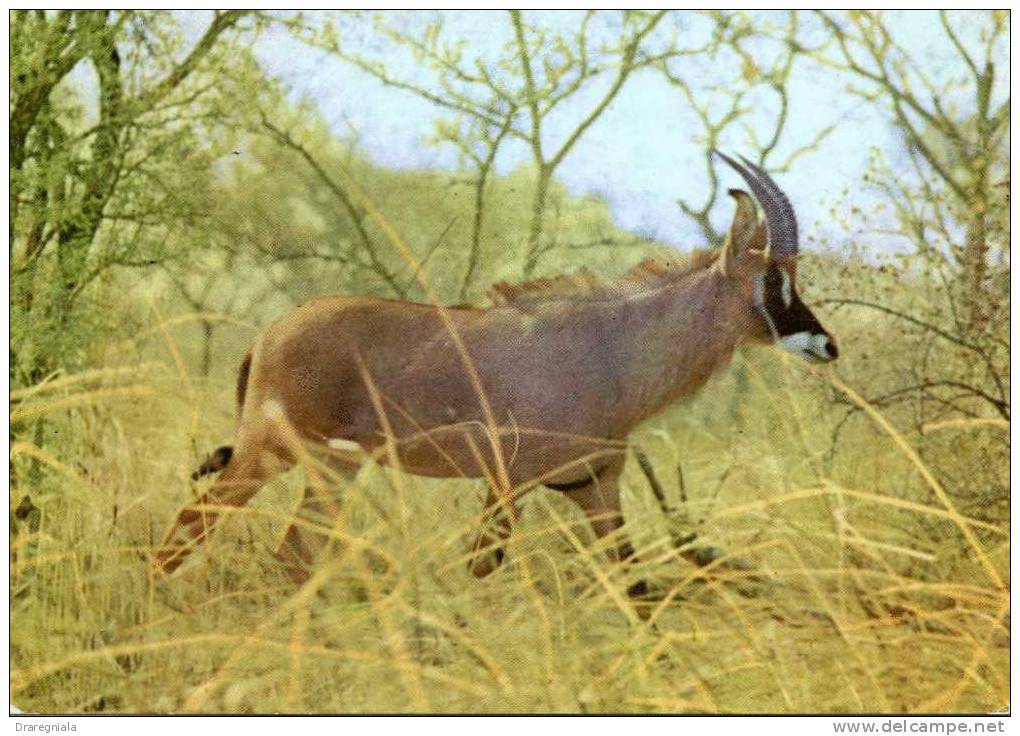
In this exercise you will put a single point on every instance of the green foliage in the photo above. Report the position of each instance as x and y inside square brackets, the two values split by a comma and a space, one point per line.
[112, 139]
[280, 215]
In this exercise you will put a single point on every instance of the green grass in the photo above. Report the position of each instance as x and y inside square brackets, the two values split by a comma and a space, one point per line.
[846, 585]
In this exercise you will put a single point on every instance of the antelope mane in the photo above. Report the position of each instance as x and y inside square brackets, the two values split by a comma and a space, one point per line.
[586, 285]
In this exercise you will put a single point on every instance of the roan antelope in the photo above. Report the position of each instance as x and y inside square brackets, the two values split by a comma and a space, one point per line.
[560, 371]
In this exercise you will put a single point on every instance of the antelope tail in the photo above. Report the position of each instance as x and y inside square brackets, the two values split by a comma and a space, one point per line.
[215, 462]
[219, 458]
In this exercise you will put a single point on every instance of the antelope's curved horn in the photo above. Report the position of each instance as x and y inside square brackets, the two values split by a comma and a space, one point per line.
[780, 220]
[787, 236]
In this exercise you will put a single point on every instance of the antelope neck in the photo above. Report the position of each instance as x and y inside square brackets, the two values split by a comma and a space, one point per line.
[677, 337]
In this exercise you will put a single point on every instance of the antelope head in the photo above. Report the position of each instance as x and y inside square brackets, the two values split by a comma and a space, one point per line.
[762, 258]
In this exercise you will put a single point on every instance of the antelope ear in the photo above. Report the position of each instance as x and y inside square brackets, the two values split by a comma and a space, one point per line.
[746, 233]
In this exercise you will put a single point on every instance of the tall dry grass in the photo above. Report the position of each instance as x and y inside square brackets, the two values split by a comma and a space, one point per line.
[821, 593]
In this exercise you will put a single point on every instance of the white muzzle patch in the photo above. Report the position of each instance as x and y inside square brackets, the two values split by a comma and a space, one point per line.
[811, 346]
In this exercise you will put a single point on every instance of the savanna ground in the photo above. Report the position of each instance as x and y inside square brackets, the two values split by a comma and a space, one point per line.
[831, 540]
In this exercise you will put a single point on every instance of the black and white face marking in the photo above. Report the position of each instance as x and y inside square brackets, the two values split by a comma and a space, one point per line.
[793, 326]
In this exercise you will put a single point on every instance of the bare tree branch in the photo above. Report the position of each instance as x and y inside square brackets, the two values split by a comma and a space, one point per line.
[355, 214]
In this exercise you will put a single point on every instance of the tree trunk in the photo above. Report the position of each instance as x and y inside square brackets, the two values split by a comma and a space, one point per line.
[534, 252]
[207, 333]
[476, 234]
[975, 267]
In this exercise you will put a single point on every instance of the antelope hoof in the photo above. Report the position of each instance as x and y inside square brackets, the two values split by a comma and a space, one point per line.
[298, 575]
[295, 568]
[485, 564]
[638, 593]
[638, 589]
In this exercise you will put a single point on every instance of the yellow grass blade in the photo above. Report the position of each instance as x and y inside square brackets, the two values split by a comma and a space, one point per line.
[936, 487]
[84, 398]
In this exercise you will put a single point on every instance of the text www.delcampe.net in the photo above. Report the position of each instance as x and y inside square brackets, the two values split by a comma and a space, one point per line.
[919, 726]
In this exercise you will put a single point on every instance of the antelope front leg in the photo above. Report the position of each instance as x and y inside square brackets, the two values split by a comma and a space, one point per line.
[487, 551]
[600, 501]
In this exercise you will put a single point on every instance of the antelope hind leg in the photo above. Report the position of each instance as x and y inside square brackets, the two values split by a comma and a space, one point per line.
[302, 545]
[246, 472]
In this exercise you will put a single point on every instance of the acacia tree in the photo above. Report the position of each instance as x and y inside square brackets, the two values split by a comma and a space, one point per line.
[544, 91]
[953, 128]
[478, 142]
[517, 94]
[943, 190]
[949, 201]
[102, 172]
[731, 98]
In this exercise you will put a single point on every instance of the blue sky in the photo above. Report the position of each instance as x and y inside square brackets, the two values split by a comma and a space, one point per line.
[643, 153]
